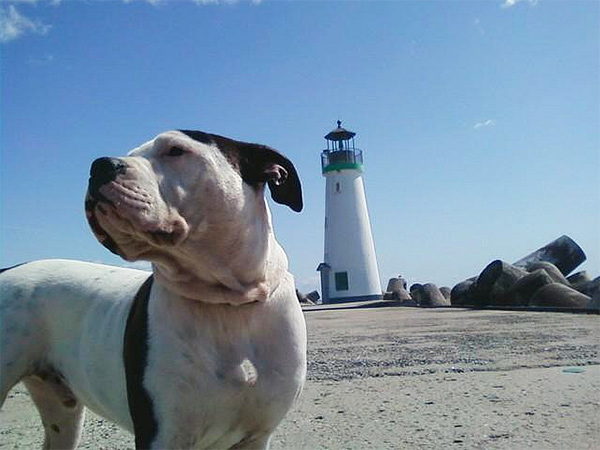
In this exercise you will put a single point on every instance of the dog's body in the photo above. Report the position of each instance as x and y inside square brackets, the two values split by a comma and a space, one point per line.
[208, 353]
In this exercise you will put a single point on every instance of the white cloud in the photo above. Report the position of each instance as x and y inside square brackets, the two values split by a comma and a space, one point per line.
[197, 2]
[485, 123]
[13, 25]
[32, 2]
[511, 3]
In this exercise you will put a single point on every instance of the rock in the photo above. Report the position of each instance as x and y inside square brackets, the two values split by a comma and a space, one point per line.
[396, 290]
[594, 302]
[550, 269]
[303, 299]
[415, 287]
[446, 291]
[409, 302]
[313, 296]
[559, 296]
[563, 252]
[431, 296]
[390, 296]
[579, 278]
[393, 285]
[403, 283]
[495, 282]
[398, 295]
[398, 286]
[396, 283]
[523, 290]
[591, 287]
[416, 291]
[461, 293]
[403, 295]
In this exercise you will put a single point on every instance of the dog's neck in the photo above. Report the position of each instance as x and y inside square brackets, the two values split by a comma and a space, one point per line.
[228, 288]
[248, 273]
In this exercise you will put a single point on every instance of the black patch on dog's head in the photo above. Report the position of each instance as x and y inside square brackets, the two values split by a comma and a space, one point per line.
[258, 164]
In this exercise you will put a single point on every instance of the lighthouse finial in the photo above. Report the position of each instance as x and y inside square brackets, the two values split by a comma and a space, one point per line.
[339, 124]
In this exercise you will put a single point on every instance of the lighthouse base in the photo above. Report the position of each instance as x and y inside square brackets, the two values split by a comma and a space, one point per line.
[360, 298]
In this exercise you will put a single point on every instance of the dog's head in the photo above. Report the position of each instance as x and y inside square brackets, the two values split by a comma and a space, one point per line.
[181, 186]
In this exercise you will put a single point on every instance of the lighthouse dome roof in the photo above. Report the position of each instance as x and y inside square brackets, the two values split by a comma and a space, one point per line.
[339, 133]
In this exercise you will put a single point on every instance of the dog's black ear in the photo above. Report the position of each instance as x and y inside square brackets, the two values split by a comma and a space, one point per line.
[259, 164]
[262, 164]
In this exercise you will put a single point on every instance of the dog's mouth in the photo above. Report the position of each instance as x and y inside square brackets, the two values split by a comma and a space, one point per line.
[91, 205]
[122, 218]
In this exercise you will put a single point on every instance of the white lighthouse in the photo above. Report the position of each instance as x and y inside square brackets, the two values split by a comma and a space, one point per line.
[349, 270]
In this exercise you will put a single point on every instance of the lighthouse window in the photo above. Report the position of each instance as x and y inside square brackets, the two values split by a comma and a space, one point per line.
[341, 281]
[337, 188]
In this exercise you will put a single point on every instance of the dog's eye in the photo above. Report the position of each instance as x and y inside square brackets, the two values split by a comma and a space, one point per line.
[175, 151]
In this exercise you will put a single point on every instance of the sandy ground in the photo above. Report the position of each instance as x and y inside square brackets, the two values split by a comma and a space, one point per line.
[407, 378]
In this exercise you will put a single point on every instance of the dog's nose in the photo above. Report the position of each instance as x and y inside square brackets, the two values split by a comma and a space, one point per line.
[104, 170]
[107, 168]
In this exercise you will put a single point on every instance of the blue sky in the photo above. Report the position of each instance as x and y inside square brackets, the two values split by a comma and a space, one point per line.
[479, 120]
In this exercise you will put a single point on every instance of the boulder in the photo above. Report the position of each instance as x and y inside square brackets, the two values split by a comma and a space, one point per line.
[579, 278]
[403, 283]
[494, 284]
[550, 269]
[595, 302]
[393, 285]
[590, 288]
[403, 295]
[415, 287]
[302, 298]
[563, 252]
[416, 291]
[523, 290]
[558, 295]
[431, 296]
[397, 285]
[446, 291]
[461, 293]
[313, 296]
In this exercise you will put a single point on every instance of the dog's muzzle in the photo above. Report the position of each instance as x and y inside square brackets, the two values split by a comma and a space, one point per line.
[103, 171]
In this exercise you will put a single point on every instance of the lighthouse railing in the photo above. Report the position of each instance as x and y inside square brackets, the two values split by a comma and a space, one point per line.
[341, 159]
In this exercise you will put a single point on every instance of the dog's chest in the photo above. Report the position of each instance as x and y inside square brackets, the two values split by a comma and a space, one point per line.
[221, 369]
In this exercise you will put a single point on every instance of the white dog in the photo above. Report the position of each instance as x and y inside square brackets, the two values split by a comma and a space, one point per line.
[207, 352]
